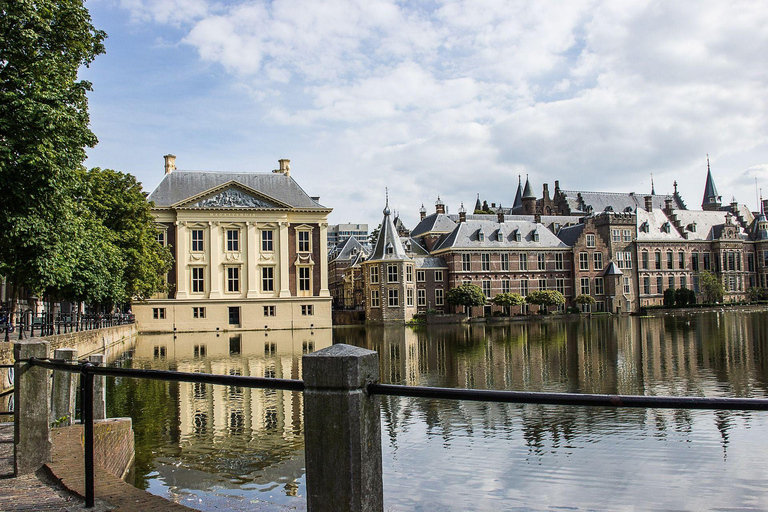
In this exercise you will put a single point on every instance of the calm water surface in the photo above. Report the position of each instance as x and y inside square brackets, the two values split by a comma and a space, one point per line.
[217, 448]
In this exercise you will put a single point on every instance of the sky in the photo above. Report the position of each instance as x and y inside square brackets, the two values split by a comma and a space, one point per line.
[437, 98]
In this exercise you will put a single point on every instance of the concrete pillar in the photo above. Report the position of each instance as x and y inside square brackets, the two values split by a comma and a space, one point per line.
[99, 389]
[342, 430]
[64, 390]
[32, 437]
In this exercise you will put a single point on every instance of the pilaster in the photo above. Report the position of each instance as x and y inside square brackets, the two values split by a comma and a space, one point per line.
[214, 251]
[323, 261]
[284, 264]
[181, 265]
[250, 262]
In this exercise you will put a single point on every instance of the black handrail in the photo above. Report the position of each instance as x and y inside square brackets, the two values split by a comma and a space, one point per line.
[89, 370]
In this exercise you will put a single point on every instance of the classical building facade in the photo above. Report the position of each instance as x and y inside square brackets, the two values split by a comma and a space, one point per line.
[250, 252]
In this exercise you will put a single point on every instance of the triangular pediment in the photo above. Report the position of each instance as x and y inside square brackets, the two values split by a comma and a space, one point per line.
[231, 195]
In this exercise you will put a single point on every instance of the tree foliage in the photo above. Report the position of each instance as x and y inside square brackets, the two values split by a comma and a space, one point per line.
[374, 235]
[44, 133]
[584, 300]
[545, 298]
[467, 295]
[508, 299]
[669, 297]
[711, 286]
[684, 297]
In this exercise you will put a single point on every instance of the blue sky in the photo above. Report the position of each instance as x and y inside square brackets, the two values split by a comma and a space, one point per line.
[443, 97]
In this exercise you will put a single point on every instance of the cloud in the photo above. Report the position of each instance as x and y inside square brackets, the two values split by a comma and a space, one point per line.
[458, 97]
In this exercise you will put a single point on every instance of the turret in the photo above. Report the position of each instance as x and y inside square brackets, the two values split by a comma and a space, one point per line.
[712, 201]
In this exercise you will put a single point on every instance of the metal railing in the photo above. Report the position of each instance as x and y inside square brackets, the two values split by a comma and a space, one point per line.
[88, 370]
[47, 324]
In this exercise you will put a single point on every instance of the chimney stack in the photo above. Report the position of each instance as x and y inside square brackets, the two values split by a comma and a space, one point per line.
[668, 205]
[170, 163]
[649, 203]
[462, 213]
[545, 192]
[285, 167]
[422, 212]
[500, 215]
[440, 206]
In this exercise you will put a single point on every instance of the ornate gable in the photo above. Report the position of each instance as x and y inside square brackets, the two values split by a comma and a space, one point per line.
[231, 195]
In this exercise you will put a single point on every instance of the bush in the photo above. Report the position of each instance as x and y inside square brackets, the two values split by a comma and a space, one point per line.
[669, 297]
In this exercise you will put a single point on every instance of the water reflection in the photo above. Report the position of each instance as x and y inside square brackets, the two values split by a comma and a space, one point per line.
[237, 448]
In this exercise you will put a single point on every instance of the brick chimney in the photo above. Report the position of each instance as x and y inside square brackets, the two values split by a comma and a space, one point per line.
[500, 215]
[668, 205]
[462, 213]
[170, 163]
[439, 205]
[545, 192]
[422, 212]
[649, 203]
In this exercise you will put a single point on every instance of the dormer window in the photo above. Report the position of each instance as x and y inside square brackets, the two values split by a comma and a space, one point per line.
[389, 249]
[608, 208]
[692, 227]
[666, 227]
[518, 236]
[535, 234]
[481, 235]
[644, 227]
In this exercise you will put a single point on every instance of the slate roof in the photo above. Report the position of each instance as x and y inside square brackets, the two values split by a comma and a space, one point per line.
[388, 244]
[430, 262]
[650, 226]
[760, 228]
[570, 234]
[708, 223]
[619, 201]
[178, 186]
[435, 223]
[710, 190]
[349, 249]
[612, 270]
[466, 235]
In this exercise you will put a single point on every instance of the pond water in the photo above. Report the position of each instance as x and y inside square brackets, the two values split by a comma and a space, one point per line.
[218, 448]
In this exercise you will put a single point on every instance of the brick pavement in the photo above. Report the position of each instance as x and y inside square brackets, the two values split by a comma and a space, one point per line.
[59, 486]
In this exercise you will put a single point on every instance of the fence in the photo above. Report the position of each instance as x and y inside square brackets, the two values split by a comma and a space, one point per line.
[47, 324]
[342, 424]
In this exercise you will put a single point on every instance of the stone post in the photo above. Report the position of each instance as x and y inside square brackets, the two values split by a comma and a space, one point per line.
[342, 430]
[99, 389]
[64, 390]
[32, 437]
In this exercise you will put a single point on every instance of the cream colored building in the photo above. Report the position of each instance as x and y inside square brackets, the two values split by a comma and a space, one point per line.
[250, 253]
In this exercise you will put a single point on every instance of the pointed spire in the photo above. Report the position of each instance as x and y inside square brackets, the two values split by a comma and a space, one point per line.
[386, 205]
[653, 188]
[478, 206]
[527, 191]
[712, 201]
[518, 202]
[388, 244]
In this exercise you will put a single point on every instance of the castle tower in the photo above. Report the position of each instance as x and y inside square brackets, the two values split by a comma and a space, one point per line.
[712, 201]
[528, 199]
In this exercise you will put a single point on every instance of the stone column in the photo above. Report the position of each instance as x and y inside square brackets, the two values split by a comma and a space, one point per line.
[324, 260]
[215, 249]
[182, 252]
[284, 264]
[64, 390]
[342, 430]
[99, 389]
[32, 437]
[251, 262]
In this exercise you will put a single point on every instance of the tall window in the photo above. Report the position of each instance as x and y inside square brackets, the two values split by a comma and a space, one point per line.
[304, 245]
[647, 285]
[505, 286]
[683, 282]
[657, 260]
[375, 298]
[669, 260]
[707, 264]
[233, 240]
[559, 261]
[197, 240]
[627, 235]
[485, 260]
[671, 282]
[421, 297]
[161, 237]
[409, 273]
[542, 284]
[393, 298]
[486, 287]
[599, 286]
[233, 279]
[590, 241]
[681, 260]
[466, 262]
[439, 297]
[659, 285]
[267, 240]
[598, 260]
[615, 235]
[409, 297]
[505, 261]
[391, 273]
[541, 261]
[198, 279]
[374, 274]
[267, 279]
[438, 276]
[645, 259]
[583, 261]
[523, 262]
[627, 285]
[523, 287]
[584, 285]
[305, 279]
[421, 276]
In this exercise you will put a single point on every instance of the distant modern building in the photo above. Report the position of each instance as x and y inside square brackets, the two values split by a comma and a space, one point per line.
[250, 252]
[341, 232]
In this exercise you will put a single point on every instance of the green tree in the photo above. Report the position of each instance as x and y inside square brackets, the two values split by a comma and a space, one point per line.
[467, 295]
[117, 199]
[508, 301]
[584, 300]
[374, 235]
[711, 287]
[669, 297]
[44, 133]
[545, 298]
[682, 297]
[755, 294]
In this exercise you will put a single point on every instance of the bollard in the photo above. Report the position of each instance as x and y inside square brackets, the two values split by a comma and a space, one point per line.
[32, 431]
[342, 430]
[99, 389]
[64, 390]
